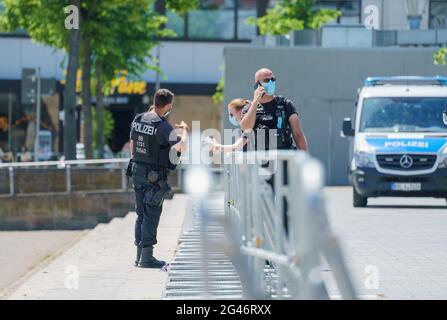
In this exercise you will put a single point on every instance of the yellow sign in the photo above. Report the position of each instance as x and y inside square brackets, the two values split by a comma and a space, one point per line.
[119, 85]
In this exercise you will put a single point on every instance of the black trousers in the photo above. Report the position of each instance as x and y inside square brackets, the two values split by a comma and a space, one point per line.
[148, 214]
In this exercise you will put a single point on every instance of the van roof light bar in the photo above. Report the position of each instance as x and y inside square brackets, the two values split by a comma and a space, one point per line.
[408, 80]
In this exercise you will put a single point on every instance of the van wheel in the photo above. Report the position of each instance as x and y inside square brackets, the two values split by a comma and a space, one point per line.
[358, 200]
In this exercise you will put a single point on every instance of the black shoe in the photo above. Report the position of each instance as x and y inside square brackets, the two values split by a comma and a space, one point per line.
[138, 256]
[147, 259]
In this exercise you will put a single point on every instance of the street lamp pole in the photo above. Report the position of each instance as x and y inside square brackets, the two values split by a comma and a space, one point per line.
[157, 74]
[10, 122]
[38, 111]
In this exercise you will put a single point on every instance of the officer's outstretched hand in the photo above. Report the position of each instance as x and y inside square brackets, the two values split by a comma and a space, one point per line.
[182, 125]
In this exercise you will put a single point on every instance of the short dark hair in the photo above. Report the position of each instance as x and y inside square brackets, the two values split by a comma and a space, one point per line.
[162, 98]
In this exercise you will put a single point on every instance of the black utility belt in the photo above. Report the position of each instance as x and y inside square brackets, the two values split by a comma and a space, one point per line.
[151, 166]
[143, 169]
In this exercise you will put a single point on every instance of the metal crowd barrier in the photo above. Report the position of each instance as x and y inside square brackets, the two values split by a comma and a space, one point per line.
[278, 226]
[67, 166]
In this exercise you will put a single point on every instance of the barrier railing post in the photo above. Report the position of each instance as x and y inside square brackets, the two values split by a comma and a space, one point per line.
[123, 178]
[11, 181]
[68, 178]
[180, 178]
[295, 251]
[61, 164]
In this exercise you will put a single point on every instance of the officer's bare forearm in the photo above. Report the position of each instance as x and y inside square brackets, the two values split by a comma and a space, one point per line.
[248, 121]
[182, 145]
[131, 149]
[184, 141]
[297, 132]
[238, 145]
[301, 142]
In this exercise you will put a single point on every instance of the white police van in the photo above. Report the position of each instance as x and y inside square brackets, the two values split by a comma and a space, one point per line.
[400, 139]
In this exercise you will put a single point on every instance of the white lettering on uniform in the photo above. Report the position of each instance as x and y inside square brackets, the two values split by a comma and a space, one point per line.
[144, 128]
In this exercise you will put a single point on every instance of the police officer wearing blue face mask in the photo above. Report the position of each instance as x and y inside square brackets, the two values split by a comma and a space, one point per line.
[273, 112]
[154, 148]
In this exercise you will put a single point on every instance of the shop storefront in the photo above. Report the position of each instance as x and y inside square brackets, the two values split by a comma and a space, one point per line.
[18, 124]
[126, 99]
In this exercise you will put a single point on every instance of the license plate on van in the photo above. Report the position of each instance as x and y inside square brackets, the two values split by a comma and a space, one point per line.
[403, 186]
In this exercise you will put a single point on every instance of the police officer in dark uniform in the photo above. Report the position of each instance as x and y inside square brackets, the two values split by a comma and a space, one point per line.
[273, 117]
[271, 112]
[155, 149]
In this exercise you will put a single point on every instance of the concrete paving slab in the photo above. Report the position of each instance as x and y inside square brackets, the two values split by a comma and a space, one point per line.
[100, 265]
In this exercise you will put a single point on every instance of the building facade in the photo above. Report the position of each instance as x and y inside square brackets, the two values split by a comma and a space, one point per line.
[192, 65]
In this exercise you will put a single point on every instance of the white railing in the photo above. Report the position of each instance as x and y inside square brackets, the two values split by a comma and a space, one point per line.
[67, 165]
[64, 165]
[285, 224]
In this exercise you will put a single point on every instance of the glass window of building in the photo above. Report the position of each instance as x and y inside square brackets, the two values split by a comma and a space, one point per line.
[350, 10]
[176, 23]
[438, 14]
[246, 9]
[214, 20]
[16, 126]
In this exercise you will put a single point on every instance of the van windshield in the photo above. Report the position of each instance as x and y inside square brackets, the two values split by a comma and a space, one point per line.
[403, 115]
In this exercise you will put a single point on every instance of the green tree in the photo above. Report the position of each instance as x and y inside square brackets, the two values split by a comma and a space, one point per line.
[288, 15]
[115, 46]
[181, 7]
[123, 48]
[114, 35]
[440, 56]
[218, 96]
[106, 120]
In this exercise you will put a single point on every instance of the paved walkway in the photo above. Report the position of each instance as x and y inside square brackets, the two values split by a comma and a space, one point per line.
[100, 265]
[396, 248]
[24, 251]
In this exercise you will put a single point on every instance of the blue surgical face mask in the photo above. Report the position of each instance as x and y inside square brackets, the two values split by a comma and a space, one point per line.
[233, 121]
[270, 87]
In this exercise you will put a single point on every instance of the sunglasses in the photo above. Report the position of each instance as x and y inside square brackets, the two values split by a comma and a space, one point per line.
[257, 84]
[272, 79]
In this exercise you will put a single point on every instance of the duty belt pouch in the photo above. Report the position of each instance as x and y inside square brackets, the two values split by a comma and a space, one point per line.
[159, 190]
[129, 171]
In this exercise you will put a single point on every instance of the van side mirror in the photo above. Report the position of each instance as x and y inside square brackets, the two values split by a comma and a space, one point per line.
[444, 117]
[347, 130]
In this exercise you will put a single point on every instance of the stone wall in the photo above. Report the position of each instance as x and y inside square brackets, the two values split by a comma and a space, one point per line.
[41, 201]
[77, 210]
[36, 180]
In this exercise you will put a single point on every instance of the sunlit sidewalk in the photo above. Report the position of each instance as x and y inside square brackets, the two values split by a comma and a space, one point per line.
[100, 265]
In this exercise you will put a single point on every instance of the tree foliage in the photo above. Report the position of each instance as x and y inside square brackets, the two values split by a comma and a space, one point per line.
[120, 34]
[218, 96]
[440, 56]
[123, 31]
[288, 15]
[181, 7]
[108, 125]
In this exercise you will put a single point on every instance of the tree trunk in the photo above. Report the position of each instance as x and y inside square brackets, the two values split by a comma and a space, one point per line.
[70, 134]
[87, 98]
[99, 109]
